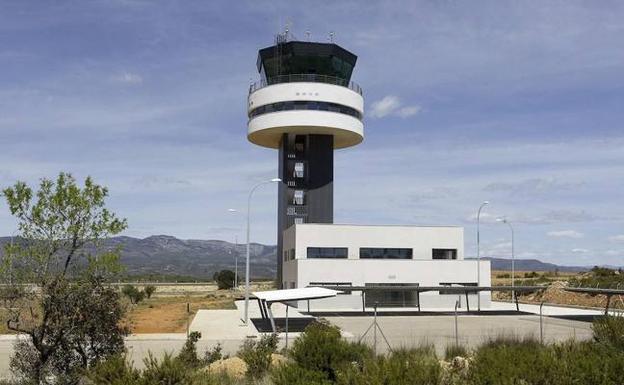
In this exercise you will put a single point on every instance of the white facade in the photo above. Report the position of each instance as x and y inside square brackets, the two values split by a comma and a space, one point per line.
[267, 129]
[417, 245]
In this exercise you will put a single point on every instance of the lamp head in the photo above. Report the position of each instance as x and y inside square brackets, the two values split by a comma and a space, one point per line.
[276, 180]
[486, 202]
[233, 210]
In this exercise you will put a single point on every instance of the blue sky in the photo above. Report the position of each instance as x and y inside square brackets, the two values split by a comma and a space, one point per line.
[519, 103]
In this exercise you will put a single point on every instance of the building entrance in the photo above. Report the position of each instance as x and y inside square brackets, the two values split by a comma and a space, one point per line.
[391, 298]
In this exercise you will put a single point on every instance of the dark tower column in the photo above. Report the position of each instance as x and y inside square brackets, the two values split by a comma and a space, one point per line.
[306, 194]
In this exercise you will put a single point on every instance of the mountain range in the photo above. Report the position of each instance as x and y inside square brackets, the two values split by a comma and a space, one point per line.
[167, 255]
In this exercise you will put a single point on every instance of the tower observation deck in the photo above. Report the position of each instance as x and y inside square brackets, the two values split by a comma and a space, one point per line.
[305, 105]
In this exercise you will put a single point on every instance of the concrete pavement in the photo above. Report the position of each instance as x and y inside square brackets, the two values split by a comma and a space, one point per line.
[225, 327]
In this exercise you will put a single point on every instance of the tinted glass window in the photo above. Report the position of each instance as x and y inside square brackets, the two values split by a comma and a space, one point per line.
[385, 253]
[305, 105]
[444, 253]
[327, 252]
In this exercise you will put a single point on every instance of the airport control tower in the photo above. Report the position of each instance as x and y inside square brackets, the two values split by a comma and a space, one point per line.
[305, 105]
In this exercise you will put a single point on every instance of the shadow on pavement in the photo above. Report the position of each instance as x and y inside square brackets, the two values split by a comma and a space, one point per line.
[295, 325]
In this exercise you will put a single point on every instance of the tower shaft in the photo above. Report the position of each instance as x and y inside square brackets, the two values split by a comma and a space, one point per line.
[306, 194]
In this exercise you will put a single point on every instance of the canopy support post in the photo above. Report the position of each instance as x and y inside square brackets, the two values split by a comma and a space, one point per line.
[271, 317]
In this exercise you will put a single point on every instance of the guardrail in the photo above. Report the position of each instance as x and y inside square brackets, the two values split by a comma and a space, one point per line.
[300, 78]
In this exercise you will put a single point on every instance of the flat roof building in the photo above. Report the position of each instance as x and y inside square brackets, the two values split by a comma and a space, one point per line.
[360, 255]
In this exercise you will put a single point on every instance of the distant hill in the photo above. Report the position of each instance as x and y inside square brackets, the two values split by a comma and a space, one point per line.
[531, 265]
[167, 255]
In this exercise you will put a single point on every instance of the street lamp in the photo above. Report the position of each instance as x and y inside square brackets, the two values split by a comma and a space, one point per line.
[485, 203]
[274, 180]
[513, 267]
[235, 254]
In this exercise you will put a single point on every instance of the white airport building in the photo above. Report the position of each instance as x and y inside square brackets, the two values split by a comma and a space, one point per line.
[356, 255]
[306, 106]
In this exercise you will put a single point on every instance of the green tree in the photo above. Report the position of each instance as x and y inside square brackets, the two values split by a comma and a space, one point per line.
[149, 290]
[224, 279]
[55, 279]
[134, 295]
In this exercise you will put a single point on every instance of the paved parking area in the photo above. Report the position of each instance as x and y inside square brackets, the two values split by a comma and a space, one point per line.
[225, 327]
[439, 330]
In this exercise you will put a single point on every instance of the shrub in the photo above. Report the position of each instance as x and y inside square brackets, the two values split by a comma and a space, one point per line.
[588, 363]
[609, 331]
[321, 348]
[403, 367]
[224, 279]
[149, 290]
[452, 351]
[257, 354]
[293, 374]
[169, 371]
[215, 354]
[504, 275]
[188, 353]
[134, 294]
[510, 361]
[114, 371]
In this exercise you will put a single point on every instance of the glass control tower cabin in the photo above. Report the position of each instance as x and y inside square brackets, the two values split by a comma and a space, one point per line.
[304, 105]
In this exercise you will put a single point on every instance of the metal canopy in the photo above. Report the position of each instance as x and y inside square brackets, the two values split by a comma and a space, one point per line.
[301, 294]
[447, 289]
[267, 298]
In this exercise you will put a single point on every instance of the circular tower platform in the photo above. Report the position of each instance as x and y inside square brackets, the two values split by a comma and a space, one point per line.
[305, 107]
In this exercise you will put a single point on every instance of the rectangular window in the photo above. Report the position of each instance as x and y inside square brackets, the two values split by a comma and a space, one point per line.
[298, 197]
[291, 255]
[298, 221]
[444, 253]
[285, 255]
[385, 253]
[298, 170]
[453, 284]
[327, 252]
[391, 298]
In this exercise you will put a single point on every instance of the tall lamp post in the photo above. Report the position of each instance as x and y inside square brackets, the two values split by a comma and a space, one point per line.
[485, 203]
[513, 259]
[274, 180]
[235, 254]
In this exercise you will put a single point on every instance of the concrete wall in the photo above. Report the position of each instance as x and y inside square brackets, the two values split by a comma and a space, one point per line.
[421, 270]
[419, 238]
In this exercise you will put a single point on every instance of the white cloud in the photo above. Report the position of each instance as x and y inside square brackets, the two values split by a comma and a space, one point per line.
[617, 238]
[534, 186]
[565, 234]
[406, 112]
[391, 105]
[128, 78]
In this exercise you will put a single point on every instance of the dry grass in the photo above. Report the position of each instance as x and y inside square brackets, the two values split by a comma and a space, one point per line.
[503, 277]
[169, 314]
[166, 311]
